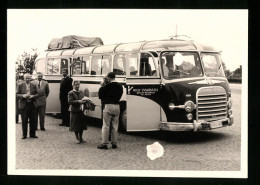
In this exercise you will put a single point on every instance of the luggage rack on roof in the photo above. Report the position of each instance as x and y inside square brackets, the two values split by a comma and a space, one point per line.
[175, 37]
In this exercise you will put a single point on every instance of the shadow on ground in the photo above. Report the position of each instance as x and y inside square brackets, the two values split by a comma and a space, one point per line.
[181, 137]
[166, 136]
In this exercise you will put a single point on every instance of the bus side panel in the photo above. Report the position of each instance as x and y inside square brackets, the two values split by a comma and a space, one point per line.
[93, 95]
[53, 101]
[143, 114]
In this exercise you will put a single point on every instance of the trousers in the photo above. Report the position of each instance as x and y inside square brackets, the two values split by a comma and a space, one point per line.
[110, 115]
[29, 116]
[41, 115]
[65, 114]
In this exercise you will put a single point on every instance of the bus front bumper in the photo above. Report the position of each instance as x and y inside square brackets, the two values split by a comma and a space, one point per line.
[195, 126]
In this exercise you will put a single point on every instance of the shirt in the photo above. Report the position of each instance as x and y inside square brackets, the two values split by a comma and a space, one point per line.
[111, 93]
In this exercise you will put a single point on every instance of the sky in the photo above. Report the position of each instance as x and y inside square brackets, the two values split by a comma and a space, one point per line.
[226, 30]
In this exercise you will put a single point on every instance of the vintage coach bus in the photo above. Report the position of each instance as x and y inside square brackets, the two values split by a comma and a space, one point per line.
[174, 85]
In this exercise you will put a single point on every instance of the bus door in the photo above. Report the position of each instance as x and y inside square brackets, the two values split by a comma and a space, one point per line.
[143, 88]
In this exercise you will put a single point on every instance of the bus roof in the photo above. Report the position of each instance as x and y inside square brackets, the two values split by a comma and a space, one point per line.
[158, 45]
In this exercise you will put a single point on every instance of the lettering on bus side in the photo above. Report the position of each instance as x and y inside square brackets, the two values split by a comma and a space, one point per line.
[150, 90]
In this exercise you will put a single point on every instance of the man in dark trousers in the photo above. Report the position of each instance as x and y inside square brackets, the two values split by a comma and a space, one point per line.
[27, 93]
[110, 95]
[65, 87]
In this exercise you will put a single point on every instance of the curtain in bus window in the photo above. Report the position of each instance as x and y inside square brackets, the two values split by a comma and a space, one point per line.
[85, 65]
[49, 66]
[96, 65]
[119, 65]
[133, 64]
[76, 66]
[106, 65]
[56, 66]
[64, 64]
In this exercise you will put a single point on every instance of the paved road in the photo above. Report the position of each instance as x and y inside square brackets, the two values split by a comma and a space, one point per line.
[217, 150]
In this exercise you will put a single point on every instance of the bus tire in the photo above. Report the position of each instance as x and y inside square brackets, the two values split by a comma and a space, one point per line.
[123, 121]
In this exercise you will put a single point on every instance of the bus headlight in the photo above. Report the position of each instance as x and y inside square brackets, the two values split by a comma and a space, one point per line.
[229, 112]
[171, 106]
[189, 106]
[229, 103]
[189, 116]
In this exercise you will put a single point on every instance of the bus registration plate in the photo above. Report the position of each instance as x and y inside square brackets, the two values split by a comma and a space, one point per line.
[216, 124]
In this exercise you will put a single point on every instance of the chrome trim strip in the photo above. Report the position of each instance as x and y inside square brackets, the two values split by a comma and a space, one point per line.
[195, 126]
[150, 83]
[213, 110]
[213, 94]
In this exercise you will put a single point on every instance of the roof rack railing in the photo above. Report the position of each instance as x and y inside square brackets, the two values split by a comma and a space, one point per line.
[186, 37]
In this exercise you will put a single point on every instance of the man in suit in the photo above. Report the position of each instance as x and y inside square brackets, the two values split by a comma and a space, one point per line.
[28, 93]
[17, 110]
[65, 88]
[43, 92]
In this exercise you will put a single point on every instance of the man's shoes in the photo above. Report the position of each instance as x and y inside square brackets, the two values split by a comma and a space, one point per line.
[62, 125]
[67, 126]
[82, 140]
[77, 141]
[102, 146]
[24, 137]
[114, 146]
[43, 129]
[33, 136]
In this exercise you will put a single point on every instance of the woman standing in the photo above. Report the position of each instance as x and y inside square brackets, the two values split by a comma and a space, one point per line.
[77, 119]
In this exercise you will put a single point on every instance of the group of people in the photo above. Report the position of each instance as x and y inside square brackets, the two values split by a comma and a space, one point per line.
[32, 96]
[31, 103]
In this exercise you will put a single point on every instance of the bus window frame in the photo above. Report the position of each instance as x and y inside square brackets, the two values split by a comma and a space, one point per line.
[111, 64]
[183, 51]
[45, 67]
[138, 59]
[112, 68]
[89, 56]
[53, 58]
[59, 57]
[72, 65]
[90, 69]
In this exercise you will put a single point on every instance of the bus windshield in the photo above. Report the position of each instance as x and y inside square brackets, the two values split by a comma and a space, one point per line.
[212, 65]
[180, 65]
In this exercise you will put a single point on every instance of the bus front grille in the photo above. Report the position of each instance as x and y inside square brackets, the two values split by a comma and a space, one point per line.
[211, 103]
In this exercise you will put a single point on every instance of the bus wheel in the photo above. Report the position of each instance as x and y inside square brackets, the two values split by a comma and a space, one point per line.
[123, 121]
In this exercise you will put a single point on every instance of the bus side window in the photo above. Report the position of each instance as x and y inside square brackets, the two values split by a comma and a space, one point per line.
[147, 65]
[96, 65]
[119, 65]
[63, 64]
[106, 65]
[49, 66]
[53, 66]
[132, 60]
[85, 65]
[40, 66]
[76, 66]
